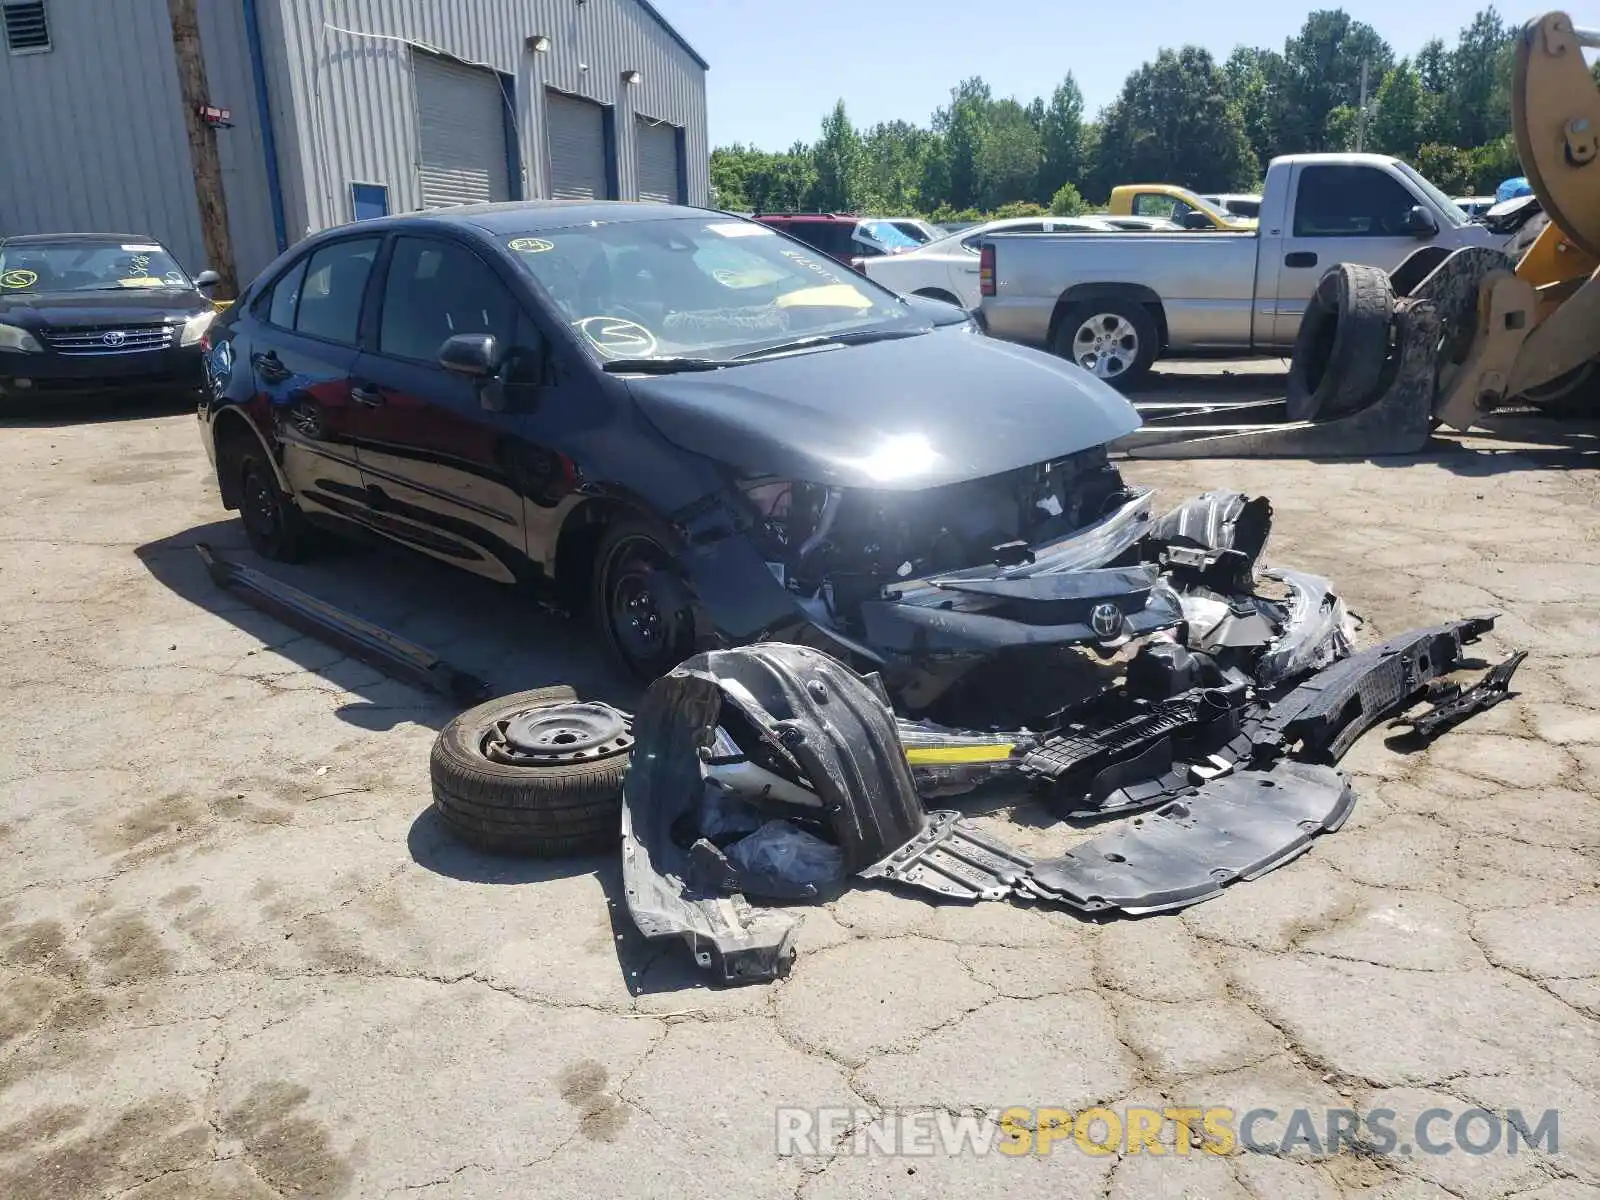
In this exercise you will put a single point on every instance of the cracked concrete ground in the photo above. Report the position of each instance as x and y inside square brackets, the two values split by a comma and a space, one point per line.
[238, 959]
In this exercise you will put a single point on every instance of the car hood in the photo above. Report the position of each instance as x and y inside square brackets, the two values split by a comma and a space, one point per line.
[43, 310]
[899, 415]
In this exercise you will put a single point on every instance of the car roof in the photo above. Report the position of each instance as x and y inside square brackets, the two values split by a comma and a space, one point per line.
[531, 216]
[32, 239]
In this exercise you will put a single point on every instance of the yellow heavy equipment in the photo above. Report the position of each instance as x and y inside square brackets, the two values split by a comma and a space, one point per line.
[1461, 333]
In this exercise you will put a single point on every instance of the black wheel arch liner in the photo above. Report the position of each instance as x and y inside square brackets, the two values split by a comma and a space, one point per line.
[223, 419]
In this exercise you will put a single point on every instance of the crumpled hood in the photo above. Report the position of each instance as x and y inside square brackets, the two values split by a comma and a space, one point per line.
[42, 310]
[898, 415]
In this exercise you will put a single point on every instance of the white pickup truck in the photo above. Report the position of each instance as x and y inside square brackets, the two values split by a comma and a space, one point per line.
[1114, 304]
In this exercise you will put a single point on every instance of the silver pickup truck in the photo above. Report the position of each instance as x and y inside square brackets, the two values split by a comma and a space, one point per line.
[1114, 304]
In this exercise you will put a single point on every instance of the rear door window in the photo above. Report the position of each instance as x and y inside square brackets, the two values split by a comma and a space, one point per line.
[284, 297]
[335, 283]
[1154, 204]
[1336, 201]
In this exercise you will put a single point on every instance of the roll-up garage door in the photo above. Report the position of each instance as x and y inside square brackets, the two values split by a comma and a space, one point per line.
[576, 132]
[462, 130]
[656, 145]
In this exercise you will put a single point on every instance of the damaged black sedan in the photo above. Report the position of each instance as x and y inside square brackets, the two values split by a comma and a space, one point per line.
[695, 427]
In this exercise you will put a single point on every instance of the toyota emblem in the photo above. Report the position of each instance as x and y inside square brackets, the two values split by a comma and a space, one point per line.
[1106, 621]
[115, 338]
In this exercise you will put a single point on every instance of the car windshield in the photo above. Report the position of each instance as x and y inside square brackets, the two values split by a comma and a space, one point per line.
[87, 267]
[1446, 206]
[701, 288]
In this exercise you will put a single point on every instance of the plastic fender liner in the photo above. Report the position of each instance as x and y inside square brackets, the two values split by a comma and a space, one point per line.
[726, 934]
[1329, 711]
[1235, 827]
[817, 721]
[1317, 632]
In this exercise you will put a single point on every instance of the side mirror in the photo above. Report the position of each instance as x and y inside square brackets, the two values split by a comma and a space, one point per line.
[1196, 220]
[206, 280]
[475, 355]
[1420, 222]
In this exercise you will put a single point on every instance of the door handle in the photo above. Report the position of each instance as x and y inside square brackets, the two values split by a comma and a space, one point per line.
[362, 394]
[270, 366]
[1300, 258]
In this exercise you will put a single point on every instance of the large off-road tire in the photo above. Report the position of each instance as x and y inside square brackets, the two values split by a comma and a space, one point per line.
[640, 600]
[547, 785]
[1113, 339]
[272, 522]
[1343, 343]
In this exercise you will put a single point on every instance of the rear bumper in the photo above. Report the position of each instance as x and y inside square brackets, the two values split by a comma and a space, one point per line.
[48, 376]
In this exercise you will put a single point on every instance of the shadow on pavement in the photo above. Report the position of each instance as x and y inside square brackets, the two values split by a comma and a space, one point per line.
[60, 413]
[496, 633]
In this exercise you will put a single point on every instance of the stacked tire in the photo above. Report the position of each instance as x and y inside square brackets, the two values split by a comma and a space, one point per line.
[1343, 345]
[535, 774]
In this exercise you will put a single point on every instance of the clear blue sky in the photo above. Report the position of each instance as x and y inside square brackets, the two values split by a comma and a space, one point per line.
[776, 69]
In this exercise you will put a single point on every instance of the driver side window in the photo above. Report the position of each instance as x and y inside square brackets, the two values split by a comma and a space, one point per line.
[436, 289]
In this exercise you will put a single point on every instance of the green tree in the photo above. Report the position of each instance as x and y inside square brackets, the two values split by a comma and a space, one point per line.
[1493, 163]
[1061, 138]
[1021, 208]
[1398, 113]
[1447, 167]
[894, 161]
[1478, 76]
[839, 162]
[1066, 202]
[1008, 155]
[1172, 123]
[1253, 80]
[1323, 65]
[1339, 130]
[962, 125]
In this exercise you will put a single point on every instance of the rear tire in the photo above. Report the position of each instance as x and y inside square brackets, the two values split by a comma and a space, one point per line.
[1114, 340]
[1342, 345]
[540, 807]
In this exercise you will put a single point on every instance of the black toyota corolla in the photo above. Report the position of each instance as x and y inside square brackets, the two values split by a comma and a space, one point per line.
[699, 429]
[97, 314]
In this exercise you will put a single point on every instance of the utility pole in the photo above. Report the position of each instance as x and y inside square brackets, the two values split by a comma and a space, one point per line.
[1361, 112]
[208, 193]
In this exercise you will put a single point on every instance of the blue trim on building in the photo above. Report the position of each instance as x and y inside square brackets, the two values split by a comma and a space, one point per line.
[269, 143]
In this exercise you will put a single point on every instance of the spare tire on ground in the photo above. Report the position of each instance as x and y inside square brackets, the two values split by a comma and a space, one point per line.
[534, 773]
[1343, 344]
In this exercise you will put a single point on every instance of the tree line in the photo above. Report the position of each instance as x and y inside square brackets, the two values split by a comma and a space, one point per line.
[1183, 118]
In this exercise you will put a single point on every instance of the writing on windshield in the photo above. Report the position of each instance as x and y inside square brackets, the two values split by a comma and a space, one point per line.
[87, 267]
[693, 287]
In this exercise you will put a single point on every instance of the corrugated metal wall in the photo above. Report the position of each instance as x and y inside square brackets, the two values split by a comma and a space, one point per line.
[339, 71]
[92, 134]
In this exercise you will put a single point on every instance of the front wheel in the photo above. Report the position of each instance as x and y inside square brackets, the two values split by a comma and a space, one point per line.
[272, 523]
[641, 600]
[1114, 340]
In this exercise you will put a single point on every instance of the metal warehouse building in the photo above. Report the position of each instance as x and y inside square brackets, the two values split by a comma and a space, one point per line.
[340, 109]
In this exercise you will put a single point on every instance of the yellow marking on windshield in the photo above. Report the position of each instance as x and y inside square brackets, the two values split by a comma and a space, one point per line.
[142, 281]
[833, 295]
[18, 279]
[530, 245]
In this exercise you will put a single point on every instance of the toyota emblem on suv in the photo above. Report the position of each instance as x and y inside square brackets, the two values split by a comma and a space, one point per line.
[115, 338]
[1106, 620]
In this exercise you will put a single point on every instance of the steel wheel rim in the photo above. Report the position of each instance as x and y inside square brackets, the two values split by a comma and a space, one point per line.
[1106, 345]
[260, 504]
[556, 734]
[641, 624]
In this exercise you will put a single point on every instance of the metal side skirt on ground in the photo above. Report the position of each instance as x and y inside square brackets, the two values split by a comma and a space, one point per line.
[362, 640]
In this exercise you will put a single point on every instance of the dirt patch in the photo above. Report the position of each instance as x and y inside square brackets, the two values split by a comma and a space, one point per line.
[127, 949]
[140, 1142]
[583, 1085]
[165, 817]
[33, 944]
[178, 897]
[292, 1152]
[41, 1125]
[25, 1002]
